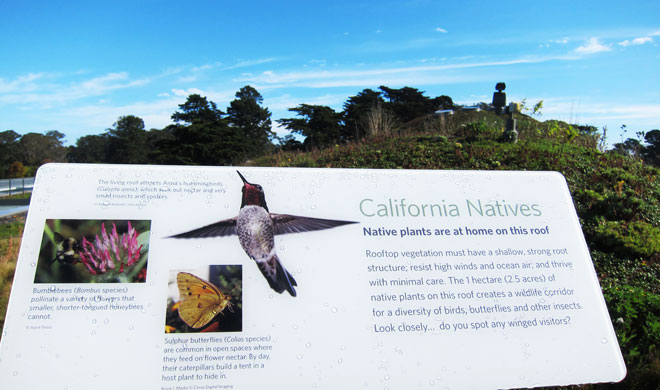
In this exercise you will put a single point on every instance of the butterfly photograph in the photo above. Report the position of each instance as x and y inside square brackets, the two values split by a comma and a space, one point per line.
[207, 299]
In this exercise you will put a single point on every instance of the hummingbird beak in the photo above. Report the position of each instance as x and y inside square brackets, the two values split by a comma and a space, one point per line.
[242, 178]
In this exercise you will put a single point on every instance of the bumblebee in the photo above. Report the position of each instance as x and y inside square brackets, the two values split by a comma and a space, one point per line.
[67, 250]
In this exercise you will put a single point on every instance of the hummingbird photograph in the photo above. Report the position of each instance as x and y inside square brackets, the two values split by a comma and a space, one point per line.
[256, 228]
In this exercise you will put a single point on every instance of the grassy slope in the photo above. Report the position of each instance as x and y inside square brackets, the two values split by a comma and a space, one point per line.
[616, 198]
[11, 230]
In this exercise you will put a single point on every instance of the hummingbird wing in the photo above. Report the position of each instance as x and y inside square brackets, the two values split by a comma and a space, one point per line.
[225, 227]
[285, 223]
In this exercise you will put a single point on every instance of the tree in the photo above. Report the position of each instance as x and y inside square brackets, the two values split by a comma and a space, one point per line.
[155, 139]
[356, 109]
[443, 102]
[127, 141]
[247, 114]
[16, 169]
[630, 147]
[197, 109]
[89, 149]
[290, 143]
[320, 125]
[651, 153]
[410, 103]
[9, 150]
[37, 149]
[201, 136]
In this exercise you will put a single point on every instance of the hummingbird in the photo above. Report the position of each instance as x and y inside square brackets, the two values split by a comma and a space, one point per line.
[256, 228]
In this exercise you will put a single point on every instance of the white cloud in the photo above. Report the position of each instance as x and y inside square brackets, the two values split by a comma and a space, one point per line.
[21, 83]
[187, 92]
[636, 41]
[436, 73]
[202, 73]
[655, 34]
[155, 114]
[642, 40]
[598, 113]
[56, 91]
[187, 79]
[108, 82]
[562, 41]
[286, 101]
[204, 67]
[440, 29]
[592, 46]
[247, 63]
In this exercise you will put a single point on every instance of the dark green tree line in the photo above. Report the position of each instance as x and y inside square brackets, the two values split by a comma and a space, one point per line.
[202, 134]
[30, 151]
[649, 150]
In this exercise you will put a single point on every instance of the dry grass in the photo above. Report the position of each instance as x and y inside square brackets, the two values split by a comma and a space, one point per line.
[9, 245]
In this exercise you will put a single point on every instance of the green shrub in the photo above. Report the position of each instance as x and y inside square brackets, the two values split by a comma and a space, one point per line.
[629, 239]
[636, 317]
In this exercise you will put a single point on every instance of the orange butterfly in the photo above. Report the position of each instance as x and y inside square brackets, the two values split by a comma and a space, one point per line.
[201, 301]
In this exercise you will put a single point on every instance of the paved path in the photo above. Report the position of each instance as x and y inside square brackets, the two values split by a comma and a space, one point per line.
[6, 211]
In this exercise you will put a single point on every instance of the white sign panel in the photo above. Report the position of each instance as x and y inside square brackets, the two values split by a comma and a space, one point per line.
[158, 277]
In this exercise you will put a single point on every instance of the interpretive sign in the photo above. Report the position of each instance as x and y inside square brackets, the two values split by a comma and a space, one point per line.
[156, 277]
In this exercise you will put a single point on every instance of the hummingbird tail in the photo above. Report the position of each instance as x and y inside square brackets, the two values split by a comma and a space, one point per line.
[278, 277]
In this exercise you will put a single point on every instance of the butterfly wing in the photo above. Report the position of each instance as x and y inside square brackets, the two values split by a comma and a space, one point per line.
[201, 301]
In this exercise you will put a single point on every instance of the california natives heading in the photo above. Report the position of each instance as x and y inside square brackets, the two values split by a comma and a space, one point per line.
[256, 228]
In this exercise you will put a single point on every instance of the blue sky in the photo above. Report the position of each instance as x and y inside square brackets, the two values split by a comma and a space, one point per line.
[78, 66]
